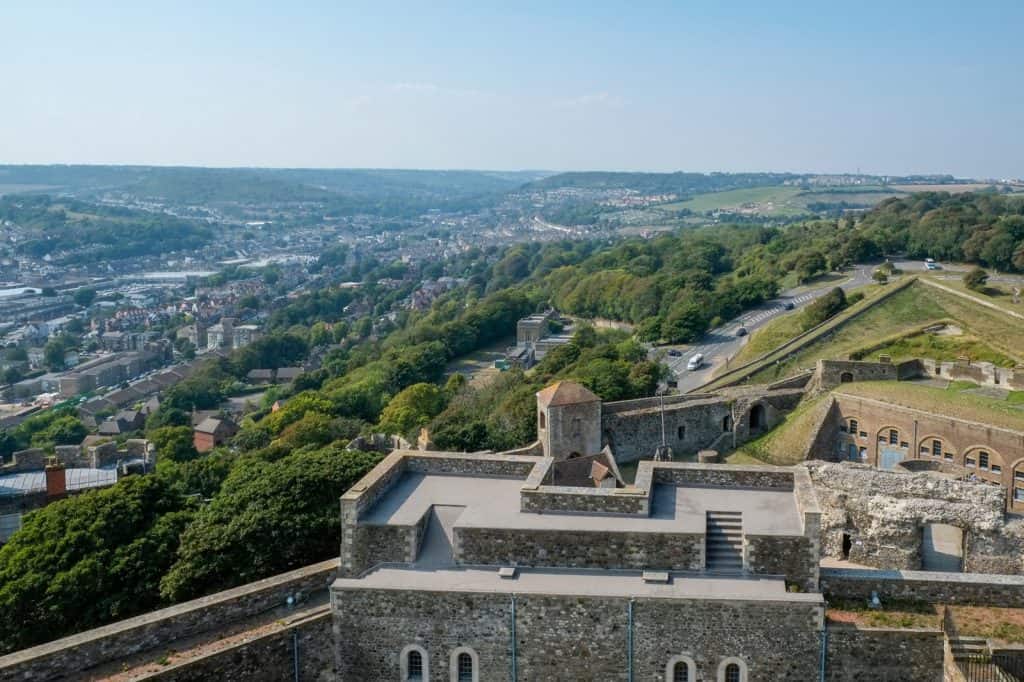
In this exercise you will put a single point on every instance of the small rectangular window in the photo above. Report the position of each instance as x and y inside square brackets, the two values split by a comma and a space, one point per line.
[863, 434]
[1018, 475]
[1018, 494]
[996, 469]
[842, 427]
[924, 450]
[983, 460]
[853, 426]
[936, 448]
[969, 462]
[881, 439]
[894, 437]
[948, 456]
[904, 444]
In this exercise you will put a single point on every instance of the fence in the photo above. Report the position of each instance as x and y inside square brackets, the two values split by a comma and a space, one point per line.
[998, 667]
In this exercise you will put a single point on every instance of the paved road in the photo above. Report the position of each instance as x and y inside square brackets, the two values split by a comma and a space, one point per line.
[721, 344]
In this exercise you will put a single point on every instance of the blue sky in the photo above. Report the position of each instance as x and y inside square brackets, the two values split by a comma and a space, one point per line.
[885, 87]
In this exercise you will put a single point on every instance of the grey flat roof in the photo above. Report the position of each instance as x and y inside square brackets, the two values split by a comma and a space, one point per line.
[28, 482]
[494, 503]
[578, 582]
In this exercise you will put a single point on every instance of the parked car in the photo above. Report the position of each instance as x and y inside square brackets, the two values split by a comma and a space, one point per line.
[695, 362]
[789, 305]
[741, 332]
[674, 353]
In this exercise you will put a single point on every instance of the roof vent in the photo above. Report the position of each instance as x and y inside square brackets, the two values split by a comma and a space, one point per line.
[507, 572]
[656, 577]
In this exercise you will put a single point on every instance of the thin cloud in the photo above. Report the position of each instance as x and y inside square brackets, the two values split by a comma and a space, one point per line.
[596, 99]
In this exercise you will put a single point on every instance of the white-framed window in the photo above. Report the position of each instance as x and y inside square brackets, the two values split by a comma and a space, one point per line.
[414, 663]
[681, 669]
[732, 669]
[465, 665]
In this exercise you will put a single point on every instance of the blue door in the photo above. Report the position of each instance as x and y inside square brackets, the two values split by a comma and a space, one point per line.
[889, 457]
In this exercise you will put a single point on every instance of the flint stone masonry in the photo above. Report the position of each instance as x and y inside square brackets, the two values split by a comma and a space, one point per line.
[268, 658]
[576, 549]
[591, 500]
[883, 655]
[884, 513]
[582, 638]
[59, 658]
[968, 589]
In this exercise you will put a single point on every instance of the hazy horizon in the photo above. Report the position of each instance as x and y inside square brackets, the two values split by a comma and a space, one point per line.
[884, 89]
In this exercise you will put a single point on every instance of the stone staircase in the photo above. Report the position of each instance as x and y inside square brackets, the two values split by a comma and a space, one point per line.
[724, 541]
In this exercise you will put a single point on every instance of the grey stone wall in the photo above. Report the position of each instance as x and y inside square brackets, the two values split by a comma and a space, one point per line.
[68, 656]
[269, 658]
[374, 545]
[972, 589]
[884, 513]
[589, 500]
[577, 549]
[636, 433]
[857, 654]
[571, 429]
[793, 557]
[724, 475]
[830, 372]
[573, 638]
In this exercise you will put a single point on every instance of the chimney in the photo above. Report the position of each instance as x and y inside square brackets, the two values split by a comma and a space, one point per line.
[56, 479]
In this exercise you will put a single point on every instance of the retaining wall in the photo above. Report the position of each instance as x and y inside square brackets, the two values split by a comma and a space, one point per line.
[64, 658]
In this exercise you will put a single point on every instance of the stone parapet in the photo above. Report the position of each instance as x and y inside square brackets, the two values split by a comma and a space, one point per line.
[71, 655]
[970, 589]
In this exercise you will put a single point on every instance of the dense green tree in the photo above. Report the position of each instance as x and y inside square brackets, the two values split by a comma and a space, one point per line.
[411, 408]
[84, 296]
[268, 517]
[173, 443]
[88, 560]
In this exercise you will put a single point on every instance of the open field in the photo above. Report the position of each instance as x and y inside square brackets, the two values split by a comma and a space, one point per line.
[941, 347]
[903, 313]
[15, 188]
[957, 399]
[762, 200]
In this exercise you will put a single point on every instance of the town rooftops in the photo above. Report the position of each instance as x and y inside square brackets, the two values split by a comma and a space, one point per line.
[214, 426]
[565, 393]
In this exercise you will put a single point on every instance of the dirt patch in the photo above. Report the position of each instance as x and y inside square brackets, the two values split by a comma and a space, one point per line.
[893, 614]
[1001, 625]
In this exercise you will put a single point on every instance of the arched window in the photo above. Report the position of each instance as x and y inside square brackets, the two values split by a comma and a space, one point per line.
[465, 666]
[732, 670]
[415, 664]
[414, 671]
[681, 669]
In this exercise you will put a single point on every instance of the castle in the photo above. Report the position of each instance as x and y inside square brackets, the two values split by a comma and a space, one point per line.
[543, 563]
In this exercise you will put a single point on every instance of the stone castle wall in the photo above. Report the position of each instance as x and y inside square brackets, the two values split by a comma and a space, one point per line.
[883, 655]
[884, 513]
[570, 637]
[159, 628]
[969, 589]
[569, 429]
[577, 549]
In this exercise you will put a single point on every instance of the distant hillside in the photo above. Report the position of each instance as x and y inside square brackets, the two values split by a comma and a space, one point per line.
[682, 184]
[257, 185]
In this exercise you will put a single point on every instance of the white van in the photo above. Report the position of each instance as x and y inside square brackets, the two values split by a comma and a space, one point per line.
[695, 362]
